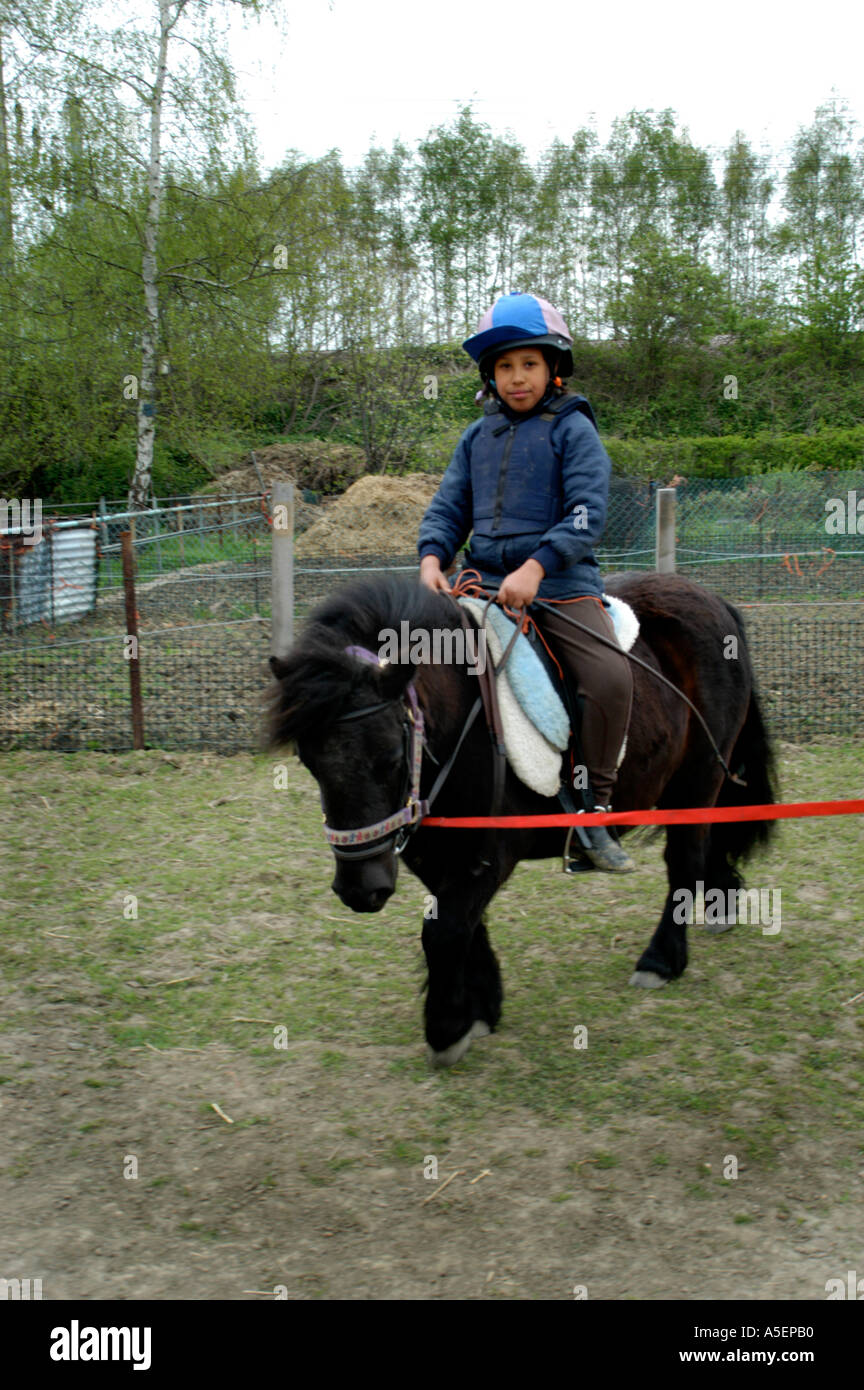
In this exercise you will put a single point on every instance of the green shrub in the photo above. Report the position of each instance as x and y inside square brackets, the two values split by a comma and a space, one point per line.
[735, 455]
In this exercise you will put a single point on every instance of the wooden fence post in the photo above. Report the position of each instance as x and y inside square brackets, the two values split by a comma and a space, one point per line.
[665, 545]
[282, 569]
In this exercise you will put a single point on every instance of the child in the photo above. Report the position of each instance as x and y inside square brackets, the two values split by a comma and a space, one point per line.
[531, 481]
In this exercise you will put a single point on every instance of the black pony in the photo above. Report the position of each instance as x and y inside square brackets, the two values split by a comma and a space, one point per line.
[361, 765]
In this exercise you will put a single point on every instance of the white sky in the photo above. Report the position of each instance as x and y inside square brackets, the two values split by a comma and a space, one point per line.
[349, 72]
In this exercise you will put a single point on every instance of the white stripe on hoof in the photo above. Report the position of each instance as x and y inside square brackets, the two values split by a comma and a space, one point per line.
[647, 979]
[456, 1051]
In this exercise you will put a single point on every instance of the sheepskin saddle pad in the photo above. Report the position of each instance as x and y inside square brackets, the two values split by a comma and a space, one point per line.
[535, 721]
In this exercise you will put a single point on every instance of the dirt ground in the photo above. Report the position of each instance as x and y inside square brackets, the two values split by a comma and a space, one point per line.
[606, 1170]
[239, 1212]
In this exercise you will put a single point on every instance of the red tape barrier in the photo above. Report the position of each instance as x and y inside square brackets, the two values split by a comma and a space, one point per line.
[693, 815]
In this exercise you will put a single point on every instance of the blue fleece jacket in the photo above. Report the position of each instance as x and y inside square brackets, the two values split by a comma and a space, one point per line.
[532, 486]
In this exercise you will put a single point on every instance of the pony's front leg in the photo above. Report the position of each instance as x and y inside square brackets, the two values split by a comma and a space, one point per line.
[464, 994]
[666, 955]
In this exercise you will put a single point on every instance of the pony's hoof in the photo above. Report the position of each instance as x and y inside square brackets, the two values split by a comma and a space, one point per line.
[456, 1051]
[647, 979]
[717, 927]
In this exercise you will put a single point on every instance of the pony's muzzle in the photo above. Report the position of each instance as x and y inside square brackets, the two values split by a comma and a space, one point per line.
[366, 886]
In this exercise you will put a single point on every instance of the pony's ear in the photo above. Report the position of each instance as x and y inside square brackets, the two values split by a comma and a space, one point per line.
[277, 666]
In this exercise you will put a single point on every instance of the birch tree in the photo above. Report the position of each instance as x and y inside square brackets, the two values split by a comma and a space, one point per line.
[160, 85]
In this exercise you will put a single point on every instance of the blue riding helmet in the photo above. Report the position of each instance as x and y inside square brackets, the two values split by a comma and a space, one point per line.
[520, 320]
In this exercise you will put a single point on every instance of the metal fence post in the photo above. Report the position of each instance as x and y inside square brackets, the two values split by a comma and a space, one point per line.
[665, 543]
[11, 553]
[132, 631]
[104, 541]
[282, 569]
[157, 531]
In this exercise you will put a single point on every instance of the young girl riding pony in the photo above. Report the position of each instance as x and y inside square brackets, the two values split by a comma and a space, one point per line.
[530, 483]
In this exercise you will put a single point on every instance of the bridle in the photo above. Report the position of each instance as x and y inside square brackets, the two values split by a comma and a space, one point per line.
[362, 843]
[366, 840]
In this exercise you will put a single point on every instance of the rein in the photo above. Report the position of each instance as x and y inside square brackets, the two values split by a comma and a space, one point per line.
[479, 588]
[658, 675]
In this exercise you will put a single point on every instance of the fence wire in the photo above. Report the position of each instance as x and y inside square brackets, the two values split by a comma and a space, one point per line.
[203, 687]
[203, 593]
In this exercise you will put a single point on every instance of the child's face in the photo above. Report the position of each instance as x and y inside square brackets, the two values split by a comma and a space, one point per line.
[521, 377]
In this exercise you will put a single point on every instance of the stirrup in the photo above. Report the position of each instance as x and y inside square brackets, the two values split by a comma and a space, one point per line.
[577, 864]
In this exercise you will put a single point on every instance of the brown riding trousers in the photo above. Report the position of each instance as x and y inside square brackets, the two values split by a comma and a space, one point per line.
[602, 675]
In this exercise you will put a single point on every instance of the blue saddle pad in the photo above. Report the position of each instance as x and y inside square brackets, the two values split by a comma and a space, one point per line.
[529, 677]
[530, 682]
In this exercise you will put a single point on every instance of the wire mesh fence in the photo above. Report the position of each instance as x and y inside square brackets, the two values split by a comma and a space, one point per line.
[809, 665]
[203, 598]
[202, 687]
[775, 536]
[182, 535]
[194, 561]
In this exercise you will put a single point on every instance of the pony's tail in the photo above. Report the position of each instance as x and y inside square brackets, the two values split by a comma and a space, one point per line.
[753, 760]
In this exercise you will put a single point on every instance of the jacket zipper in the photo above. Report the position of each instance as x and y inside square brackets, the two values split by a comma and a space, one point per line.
[502, 478]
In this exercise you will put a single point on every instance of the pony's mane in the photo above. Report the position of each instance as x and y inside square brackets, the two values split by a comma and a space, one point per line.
[317, 679]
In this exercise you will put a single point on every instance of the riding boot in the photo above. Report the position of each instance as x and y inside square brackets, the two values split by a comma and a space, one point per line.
[603, 851]
[601, 675]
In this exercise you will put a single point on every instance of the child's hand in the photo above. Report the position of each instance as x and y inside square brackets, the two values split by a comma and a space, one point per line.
[520, 588]
[431, 575]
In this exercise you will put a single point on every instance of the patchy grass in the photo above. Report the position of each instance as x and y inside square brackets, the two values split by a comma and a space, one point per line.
[181, 900]
[181, 905]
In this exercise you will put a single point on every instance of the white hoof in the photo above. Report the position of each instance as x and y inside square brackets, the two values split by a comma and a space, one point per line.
[647, 979]
[456, 1051]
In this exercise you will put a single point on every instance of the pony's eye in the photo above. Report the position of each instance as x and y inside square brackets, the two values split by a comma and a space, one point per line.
[387, 765]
